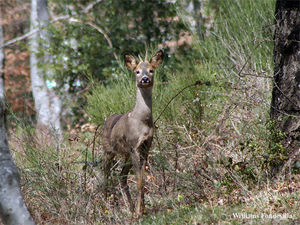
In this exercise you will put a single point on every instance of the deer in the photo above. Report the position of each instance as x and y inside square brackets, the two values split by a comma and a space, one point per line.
[130, 135]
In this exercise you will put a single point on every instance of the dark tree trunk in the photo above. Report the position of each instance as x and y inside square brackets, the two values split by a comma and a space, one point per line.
[285, 106]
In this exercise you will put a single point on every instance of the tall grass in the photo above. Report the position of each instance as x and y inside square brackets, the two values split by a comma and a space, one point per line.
[239, 44]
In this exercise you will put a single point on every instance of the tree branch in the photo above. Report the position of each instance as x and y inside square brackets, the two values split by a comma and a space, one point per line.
[105, 36]
[28, 34]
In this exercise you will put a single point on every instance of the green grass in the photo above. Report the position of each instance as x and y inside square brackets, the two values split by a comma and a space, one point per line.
[226, 214]
[240, 43]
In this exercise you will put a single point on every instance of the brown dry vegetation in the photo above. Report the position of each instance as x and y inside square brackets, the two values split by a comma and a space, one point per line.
[15, 21]
[194, 175]
[61, 186]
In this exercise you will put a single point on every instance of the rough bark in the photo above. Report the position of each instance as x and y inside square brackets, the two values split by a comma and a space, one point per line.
[12, 207]
[47, 102]
[285, 106]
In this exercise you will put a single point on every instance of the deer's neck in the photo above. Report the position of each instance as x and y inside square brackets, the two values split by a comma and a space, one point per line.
[143, 106]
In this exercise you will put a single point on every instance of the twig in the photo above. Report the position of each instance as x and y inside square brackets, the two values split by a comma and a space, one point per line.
[284, 95]
[256, 75]
[178, 93]
[237, 181]
[100, 30]
[105, 36]
[14, 40]
[292, 156]
[85, 167]
[163, 168]
[94, 141]
[248, 59]
[84, 90]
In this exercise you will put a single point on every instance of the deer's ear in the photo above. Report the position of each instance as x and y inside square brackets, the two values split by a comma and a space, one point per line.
[157, 58]
[130, 61]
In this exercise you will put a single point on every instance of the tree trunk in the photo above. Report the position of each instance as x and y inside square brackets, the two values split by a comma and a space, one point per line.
[285, 106]
[198, 18]
[47, 102]
[12, 207]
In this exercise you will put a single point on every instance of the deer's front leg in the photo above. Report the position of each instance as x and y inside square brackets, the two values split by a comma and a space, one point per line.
[139, 162]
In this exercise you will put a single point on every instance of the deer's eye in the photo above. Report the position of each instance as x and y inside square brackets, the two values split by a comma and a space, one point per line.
[138, 72]
[151, 71]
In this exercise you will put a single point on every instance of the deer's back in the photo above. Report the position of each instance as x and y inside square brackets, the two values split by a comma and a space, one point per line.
[123, 132]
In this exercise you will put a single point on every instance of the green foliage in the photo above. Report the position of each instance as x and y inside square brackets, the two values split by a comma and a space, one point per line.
[81, 49]
[116, 97]
[276, 154]
[88, 44]
[236, 45]
[241, 29]
[232, 41]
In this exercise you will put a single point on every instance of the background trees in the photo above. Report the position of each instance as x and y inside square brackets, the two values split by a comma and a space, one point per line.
[86, 39]
[47, 102]
[96, 33]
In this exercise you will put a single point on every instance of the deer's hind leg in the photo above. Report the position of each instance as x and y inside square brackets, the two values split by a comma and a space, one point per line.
[125, 170]
[107, 164]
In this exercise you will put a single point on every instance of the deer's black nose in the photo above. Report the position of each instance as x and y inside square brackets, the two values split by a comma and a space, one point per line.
[145, 80]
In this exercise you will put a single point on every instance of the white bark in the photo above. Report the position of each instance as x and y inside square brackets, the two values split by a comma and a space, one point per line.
[12, 207]
[47, 102]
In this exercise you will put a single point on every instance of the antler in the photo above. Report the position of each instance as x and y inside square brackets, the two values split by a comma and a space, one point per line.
[140, 58]
[146, 56]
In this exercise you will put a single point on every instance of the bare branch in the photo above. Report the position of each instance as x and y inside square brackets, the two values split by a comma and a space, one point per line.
[99, 29]
[105, 36]
[178, 93]
[14, 40]
[28, 34]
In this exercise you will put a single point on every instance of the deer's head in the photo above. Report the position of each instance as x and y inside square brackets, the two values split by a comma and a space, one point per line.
[144, 69]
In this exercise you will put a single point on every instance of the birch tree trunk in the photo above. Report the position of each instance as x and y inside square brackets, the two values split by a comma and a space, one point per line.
[285, 106]
[47, 102]
[12, 207]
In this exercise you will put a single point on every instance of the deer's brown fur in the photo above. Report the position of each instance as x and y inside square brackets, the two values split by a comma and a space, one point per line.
[130, 135]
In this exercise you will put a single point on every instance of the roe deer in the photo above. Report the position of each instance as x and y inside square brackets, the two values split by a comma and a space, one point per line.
[130, 135]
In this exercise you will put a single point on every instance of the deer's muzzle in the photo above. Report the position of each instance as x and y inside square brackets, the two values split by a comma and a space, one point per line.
[145, 80]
